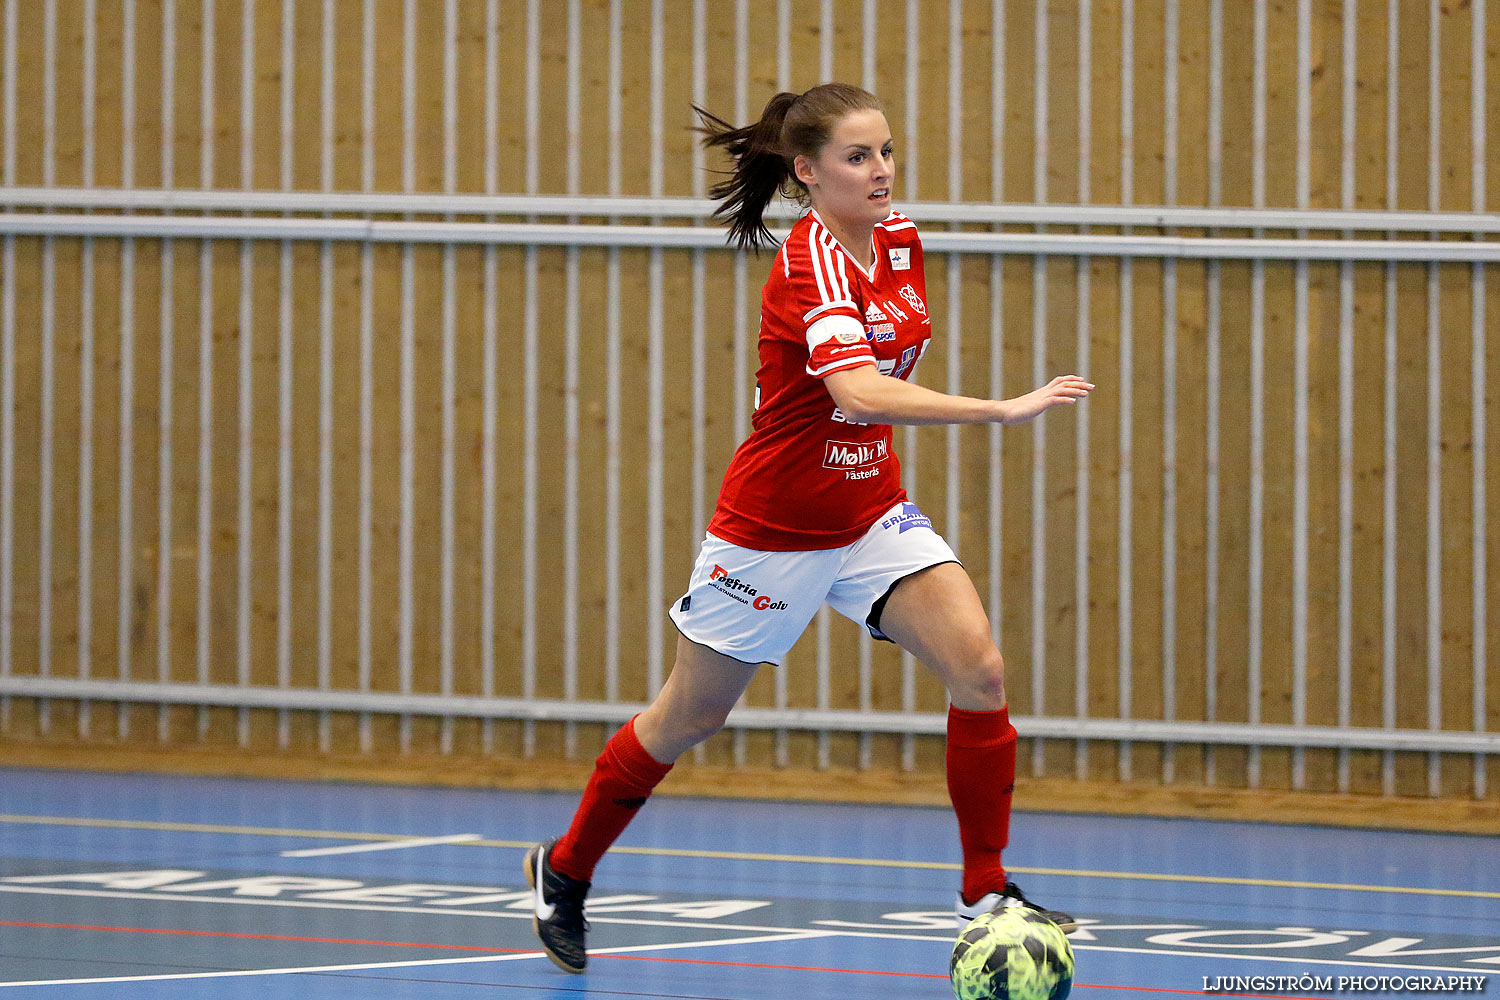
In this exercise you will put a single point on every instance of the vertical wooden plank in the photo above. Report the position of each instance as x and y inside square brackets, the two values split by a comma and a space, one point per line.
[1324, 118]
[1369, 71]
[22, 470]
[1492, 489]
[221, 727]
[1063, 101]
[66, 592]
[1456, 425]
[1191, 184]
[1231, 763]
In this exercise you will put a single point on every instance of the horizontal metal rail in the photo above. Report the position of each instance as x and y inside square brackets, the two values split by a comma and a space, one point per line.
[926, 212]
[693, 237]
[903, 723]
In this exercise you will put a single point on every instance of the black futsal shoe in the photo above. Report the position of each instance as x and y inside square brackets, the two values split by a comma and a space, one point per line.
[1011, 895]
[557, 910]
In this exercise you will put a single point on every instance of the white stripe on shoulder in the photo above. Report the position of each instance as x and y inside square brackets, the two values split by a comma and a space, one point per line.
[786, 263]
[838, 257]
[891, 227]
[823, 239]
[825, 292]
[833, 260]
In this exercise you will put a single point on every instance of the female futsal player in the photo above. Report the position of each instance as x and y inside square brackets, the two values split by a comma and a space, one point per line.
[812, 508]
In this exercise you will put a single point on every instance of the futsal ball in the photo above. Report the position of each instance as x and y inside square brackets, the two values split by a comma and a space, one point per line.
[1012, 953]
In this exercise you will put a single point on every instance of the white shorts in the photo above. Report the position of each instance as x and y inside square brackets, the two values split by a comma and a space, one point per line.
[753, 605]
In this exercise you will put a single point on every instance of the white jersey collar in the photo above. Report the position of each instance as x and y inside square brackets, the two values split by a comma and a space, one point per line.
[874, 256]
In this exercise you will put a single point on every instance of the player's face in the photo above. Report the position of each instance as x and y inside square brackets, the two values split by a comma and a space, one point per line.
[852, 175]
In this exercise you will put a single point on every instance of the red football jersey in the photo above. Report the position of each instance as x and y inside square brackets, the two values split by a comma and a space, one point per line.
[807, 477]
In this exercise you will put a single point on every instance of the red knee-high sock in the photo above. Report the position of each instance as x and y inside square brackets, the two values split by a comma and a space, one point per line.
[981, 763]
[623, 778]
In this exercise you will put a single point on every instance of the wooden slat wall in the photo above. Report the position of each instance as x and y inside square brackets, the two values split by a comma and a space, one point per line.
[1003, 139]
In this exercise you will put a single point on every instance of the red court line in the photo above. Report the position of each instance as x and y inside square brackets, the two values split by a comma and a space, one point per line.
[630, 958]
[934, 975]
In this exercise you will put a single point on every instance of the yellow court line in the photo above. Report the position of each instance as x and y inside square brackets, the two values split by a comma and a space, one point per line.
[142, 824]
[750, 856]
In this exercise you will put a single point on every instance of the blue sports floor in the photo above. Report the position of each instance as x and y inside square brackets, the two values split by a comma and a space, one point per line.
[134, 886]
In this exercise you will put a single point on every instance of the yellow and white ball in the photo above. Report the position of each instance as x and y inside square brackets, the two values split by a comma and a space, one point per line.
[1011, 953]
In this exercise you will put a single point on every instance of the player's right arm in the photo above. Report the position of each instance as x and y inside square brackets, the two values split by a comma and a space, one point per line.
[867, 396]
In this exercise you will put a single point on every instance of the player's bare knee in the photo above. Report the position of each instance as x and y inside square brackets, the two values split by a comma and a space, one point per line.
[706, 725]
[684, 730]
[983, 682]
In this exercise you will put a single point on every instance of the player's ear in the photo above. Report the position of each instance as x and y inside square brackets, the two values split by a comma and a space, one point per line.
[802, 168]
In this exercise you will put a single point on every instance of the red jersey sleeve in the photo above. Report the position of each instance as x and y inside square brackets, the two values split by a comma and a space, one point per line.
[819, 300]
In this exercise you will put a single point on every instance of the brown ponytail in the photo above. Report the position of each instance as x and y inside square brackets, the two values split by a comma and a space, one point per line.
[791, 125]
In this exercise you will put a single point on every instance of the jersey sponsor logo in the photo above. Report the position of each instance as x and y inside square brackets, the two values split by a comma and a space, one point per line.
[874, 315]
[913, 299]
[731, 586]
[881, 332]
[840, 417]
[900, 258]
[899, 369]
[909, 517]
[854, 454]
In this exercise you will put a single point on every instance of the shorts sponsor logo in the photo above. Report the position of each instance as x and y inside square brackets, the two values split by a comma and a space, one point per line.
[854, 454]
[909, 517]
[732, 586]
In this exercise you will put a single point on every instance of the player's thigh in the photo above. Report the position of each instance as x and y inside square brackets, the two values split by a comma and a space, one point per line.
[693, 703]
[936, 615]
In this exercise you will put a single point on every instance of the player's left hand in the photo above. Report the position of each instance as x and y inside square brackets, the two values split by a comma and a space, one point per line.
[1063, 389]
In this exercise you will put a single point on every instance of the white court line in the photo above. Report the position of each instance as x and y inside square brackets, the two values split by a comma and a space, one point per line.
[521, 907]
[794, 936]
[389, 845]
[762, 933]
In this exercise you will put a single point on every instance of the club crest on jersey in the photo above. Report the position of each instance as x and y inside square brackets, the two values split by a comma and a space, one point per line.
[900, 258]
[913, 299]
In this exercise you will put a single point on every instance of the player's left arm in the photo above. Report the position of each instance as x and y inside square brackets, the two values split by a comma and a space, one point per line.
[867, 396]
